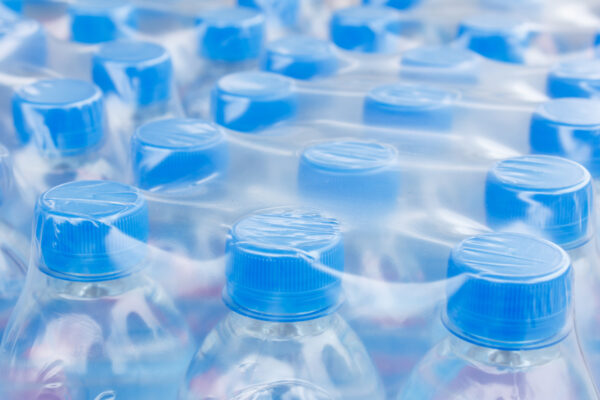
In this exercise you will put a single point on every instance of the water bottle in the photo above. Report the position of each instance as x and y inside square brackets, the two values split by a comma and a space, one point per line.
[78, 30]
[364, 185]
[411, 106]
[60, 124]
[366, 29]
[576, 78]
[510, 326]
[568, 127]
[183, 165]
[552, 197]
[283, 337]
[90, 324]
[497, 36]
[442, 64]
[230, 40]
[300, 57]
[285, 13]
[136, 79]
[93, 22]
[249, 102]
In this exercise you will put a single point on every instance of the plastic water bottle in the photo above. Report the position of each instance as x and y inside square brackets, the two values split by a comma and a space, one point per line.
[443, 64]
[78, 30]
[283, 337]
[568, 127]
[552, 197]
[510, 326]
[411, 106]
[230, 40]
[90, 324]
[93, 22]
[286, 13]
[360, 182]
[577, 78]
[60, 123]
[498, 37]
[249, 102]
[301, 57]
[366, 29]
[183, 164]
[137, 81]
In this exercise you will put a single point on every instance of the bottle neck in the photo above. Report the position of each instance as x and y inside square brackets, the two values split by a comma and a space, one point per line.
[241, 325]
[49, 285]
[485, 357]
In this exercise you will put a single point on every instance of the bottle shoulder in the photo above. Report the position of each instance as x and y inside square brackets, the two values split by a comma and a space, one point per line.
[248, 356]
[457, 370]
[79, 322]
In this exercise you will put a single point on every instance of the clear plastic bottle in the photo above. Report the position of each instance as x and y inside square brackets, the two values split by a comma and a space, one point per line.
[368, 29]
[230, 40]
[301, 57]
[568, 127]
[553, 198]
[137, 80]
[60, 123]
[249, 102]
[510, 326]
[77, 32]
[573, 78]
[283, 337]
[360, 182]
[501, 37]
[182, 165]
[90, 324]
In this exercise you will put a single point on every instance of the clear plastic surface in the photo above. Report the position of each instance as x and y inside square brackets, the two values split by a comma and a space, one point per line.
[405, 127]
[89, 322]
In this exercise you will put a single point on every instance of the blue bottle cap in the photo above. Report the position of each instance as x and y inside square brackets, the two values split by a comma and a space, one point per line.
[91, 230]
[366, 29]
[398, 4]
[579, 78]
[497, 36]
[546, 196]
[138, 72]
[350, 173]
[62, 116]
[286, 11]
[568, 128]
[176, 152]
[98, 21]
[231, 34]
[250, 101]
[283, 265]
[516, 294]
[410, 106]
[300, 57]
[441, 63]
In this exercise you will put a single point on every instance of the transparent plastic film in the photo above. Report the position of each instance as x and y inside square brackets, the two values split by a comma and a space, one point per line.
[281, 271]
[299, 200]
